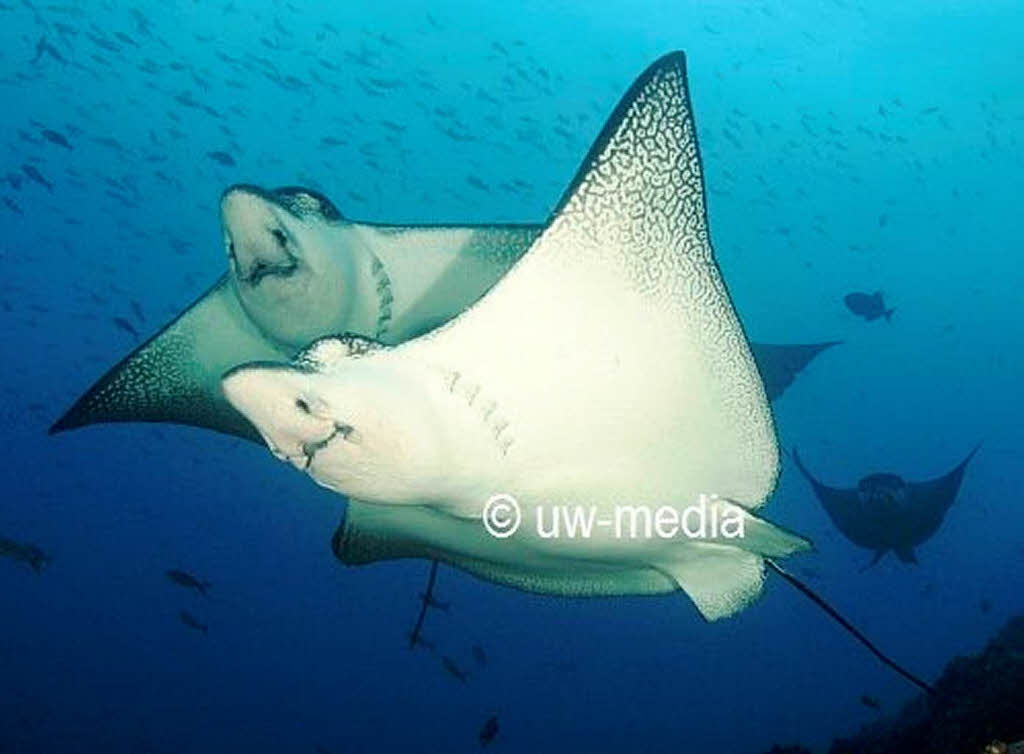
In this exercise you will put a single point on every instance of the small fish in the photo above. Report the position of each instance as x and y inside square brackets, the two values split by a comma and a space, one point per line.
[55, 138]
[36, 177]
[985, 604]
[222, 158]
[127, 326]
[12, 205]
[192, 622]
[870, 306]
[871, 702]
[45, 48]
[479, 655]
[476, 183]
[453, 669]
[187, 580]
[137, 309]
[489, 731]
[23, 552]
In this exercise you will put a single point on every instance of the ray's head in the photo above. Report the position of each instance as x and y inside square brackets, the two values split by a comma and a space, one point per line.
[883, 491]
[357, 428]
[288, 262]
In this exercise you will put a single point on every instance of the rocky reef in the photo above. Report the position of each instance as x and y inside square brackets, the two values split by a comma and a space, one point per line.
[977, 708]
[978, 702]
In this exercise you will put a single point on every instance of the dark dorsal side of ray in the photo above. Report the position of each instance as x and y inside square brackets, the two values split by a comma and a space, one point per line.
[843, 507]
[175, 375]
[931, 499]
[781, 363]
[898, 528]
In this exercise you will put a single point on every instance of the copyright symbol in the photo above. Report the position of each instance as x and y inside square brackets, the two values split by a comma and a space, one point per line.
[502, 516]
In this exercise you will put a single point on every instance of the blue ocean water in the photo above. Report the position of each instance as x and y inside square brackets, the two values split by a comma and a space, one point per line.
[848, 146]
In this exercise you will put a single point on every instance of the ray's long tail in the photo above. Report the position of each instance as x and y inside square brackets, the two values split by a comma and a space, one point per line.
[834, 614]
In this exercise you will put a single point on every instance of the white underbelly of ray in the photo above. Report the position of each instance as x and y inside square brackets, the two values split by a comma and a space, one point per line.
[602, 411]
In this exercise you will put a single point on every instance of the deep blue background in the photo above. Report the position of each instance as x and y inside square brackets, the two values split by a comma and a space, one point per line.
[816, 119]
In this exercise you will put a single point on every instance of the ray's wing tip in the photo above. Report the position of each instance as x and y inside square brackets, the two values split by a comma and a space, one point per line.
[672, 57]
[68, 421]
[970, 456]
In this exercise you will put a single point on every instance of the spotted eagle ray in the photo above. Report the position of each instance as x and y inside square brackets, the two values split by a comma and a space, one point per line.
[885, 513]
[607, 368]
[298, 271]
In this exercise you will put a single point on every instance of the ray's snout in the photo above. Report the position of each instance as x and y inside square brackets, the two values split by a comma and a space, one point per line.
[278, 402]
[256, 240]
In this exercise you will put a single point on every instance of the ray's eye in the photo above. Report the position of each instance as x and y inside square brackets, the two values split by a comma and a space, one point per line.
[280, 237]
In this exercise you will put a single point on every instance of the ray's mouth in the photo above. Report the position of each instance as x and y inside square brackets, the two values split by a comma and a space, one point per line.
[309, 450]
[259, 269]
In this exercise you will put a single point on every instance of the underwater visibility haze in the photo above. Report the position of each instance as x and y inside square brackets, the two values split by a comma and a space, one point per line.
[500, 281]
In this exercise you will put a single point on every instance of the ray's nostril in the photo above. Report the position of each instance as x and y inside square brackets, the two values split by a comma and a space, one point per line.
[301, 404]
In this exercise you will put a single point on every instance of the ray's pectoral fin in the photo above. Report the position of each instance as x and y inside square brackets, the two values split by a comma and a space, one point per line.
[721, 581]
[175, 375]
[907, 555]
[879, 554]
[932, 499]
[780, 364]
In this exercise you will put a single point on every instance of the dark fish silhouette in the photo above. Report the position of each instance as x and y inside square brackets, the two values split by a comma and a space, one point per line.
[55, 138]
[870, 306]
[192, 622]
[45, 48]
[780, 364]
[187, 580]
[12, 206]
[22, 552]
[222, 157]
[479, 655]
[453, 669]
[36, 177]
[884, 512]
[489, 731]
[871, 702]
[127, 326]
